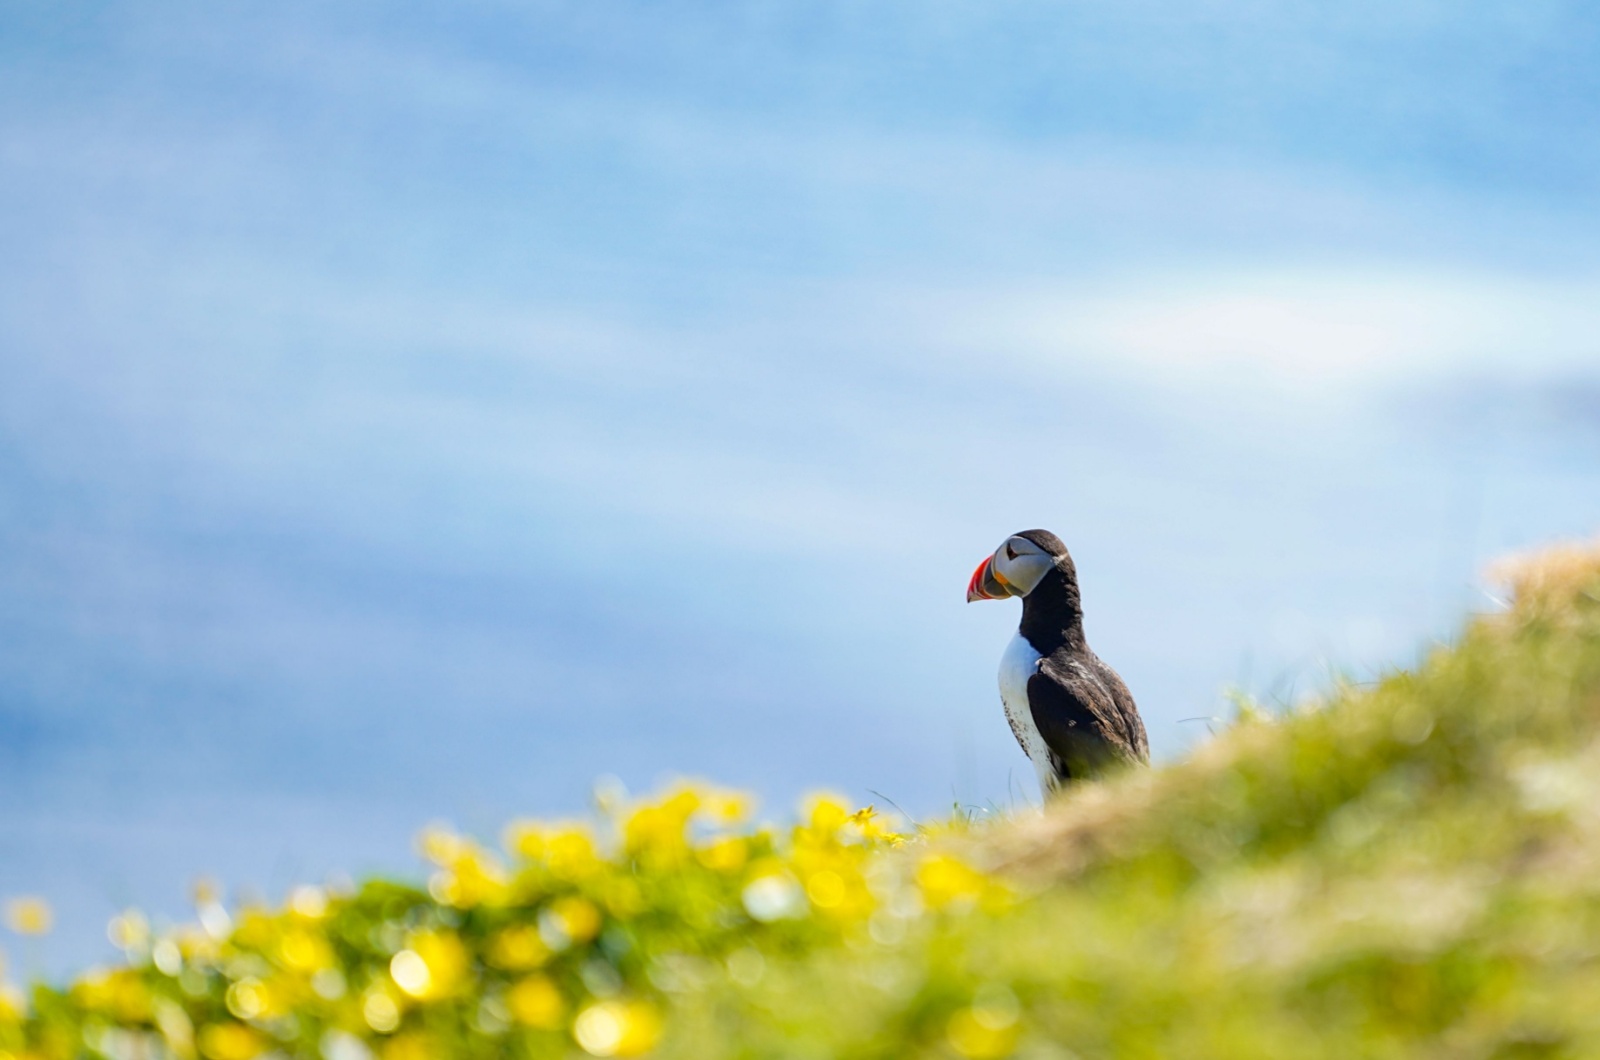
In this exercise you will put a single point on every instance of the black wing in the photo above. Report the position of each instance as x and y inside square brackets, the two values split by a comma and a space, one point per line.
[1132, 723]
[1086, 716]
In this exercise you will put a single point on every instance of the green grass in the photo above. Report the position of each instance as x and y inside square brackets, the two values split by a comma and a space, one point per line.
[1407, 870]
[1410, 869]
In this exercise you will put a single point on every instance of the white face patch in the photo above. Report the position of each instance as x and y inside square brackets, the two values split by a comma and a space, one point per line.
[1022, 564]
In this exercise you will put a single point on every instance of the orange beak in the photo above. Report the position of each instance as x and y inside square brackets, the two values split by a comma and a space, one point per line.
[987, 584]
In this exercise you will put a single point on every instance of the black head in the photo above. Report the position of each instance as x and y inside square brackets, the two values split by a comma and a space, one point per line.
[1035, 565]
[1023, 562]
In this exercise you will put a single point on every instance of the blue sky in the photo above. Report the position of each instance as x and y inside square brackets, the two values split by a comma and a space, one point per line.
[415, 413]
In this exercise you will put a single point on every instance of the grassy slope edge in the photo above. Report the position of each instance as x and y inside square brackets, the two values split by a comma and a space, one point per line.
[1407, 870]
[1411, 869]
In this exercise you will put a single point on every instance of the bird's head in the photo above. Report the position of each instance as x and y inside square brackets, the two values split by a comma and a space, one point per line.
[1018, 566]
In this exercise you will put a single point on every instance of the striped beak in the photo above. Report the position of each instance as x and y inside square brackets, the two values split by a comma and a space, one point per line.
[987, 584]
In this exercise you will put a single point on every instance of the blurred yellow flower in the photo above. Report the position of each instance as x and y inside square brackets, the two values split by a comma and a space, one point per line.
[380, 1012]
[975, 1034]
[517, 948]
[349, 968]
[303, 950]
[945, 880]
[309, 902]
[988, 1028]
[657, 835]
[29, 916]
[684, 801]
[249, 999]
[230, 1041]
[468, 876]
[128, 930]
[118, 995]
[195, 944]
[825, 889]
[473, 878]
[526, 839]
[568, 921]
[434, 966]
[536, 1002]
[440, 845]
[727, 854]
[254, 930]
[571, 854]
[617, 1028]
[875, 827]
[411, 1045]
[13, 1006]
[729, 807]
[826, 813]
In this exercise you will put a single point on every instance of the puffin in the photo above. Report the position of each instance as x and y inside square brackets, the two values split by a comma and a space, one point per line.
[1071, 713]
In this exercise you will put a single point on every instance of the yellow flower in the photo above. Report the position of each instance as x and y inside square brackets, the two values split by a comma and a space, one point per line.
[517, 948]
[526, 839]
[13, 1006]
[411, 1045]
[230, 1041]
[875, 827]
[440, 845]
[681, 803]
[195, 944]
[571, 854]
[988, 1029]
[973, 1036]
[304, 950]
[826, 889]
[827, 813]
[120, 995]
[728, 807]
[251, 999]
[29, 916]
[654, 835]
[128, 930]
[725, 855]
[569, 920]
[471, 878]
[380, 1011]
[946, 881]
[255, 929]
[536, 1002]
[309, 902]
[617, 1028]
[433, 966]
[662, 830]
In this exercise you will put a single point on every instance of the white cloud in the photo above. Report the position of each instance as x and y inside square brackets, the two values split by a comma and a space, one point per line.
[1299, 326]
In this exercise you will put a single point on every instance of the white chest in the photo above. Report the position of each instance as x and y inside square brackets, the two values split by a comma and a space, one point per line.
[1017, 665]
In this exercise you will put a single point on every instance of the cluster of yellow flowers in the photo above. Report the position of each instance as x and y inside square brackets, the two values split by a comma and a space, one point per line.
[575, 934]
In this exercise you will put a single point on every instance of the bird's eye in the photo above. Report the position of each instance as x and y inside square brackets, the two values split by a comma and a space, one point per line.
[1011, 553]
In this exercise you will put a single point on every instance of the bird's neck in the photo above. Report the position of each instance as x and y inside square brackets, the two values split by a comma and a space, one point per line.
[1052, 614]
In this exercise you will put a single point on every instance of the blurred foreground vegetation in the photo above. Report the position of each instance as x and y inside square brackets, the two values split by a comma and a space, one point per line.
[1411, 869]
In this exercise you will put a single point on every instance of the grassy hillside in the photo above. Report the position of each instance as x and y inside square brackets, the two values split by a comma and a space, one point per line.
[1411, 869]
